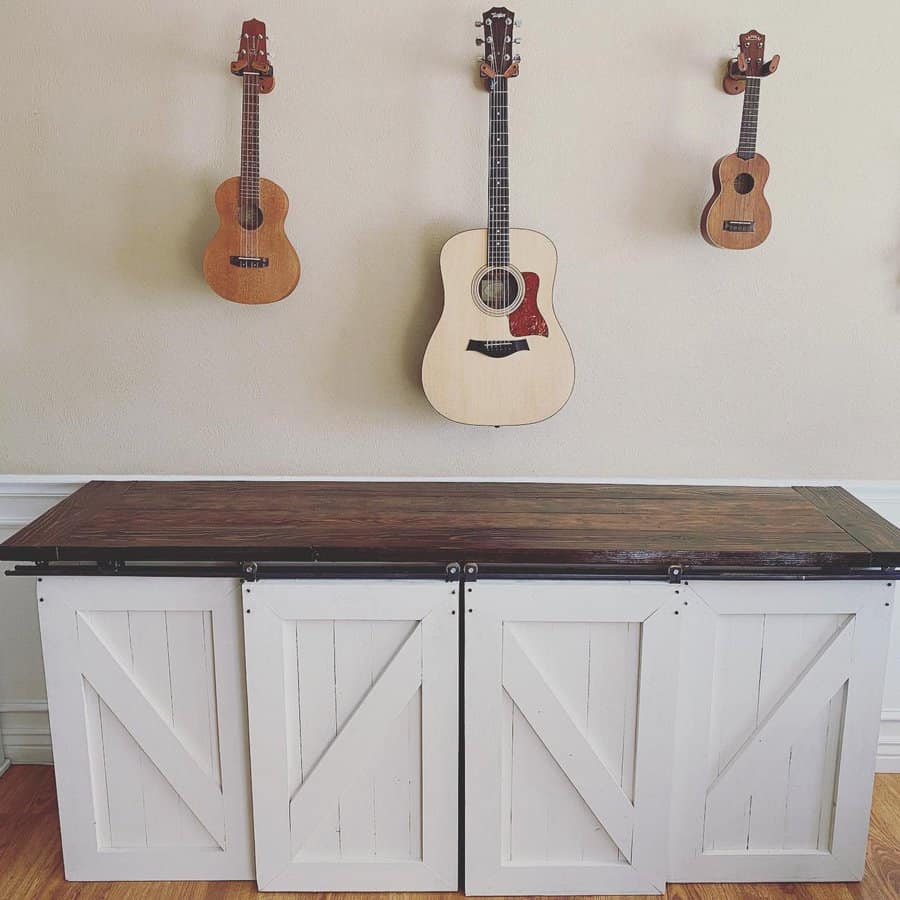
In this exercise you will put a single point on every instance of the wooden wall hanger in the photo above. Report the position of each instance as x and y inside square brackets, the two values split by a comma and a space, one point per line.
[751, 45]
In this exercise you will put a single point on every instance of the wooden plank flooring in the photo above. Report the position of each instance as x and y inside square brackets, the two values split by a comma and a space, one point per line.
[31, 859]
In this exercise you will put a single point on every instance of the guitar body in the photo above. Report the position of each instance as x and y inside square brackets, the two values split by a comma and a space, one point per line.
[524, 371]
[738, 216]
[243, 284]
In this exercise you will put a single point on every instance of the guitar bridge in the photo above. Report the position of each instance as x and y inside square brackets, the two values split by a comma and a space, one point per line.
[739, 225]
[250, 262]
[497, 349]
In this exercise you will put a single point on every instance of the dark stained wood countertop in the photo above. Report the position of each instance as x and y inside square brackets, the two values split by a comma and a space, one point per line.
[488, 522]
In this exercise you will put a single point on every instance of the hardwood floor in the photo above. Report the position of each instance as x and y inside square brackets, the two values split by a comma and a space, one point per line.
[31, 858]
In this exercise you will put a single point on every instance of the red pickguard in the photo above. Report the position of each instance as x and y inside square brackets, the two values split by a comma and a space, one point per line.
[527, 318]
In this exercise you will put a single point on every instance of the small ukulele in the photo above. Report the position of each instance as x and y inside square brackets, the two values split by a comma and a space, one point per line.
[738, 216]
[498, 355]
[250, 259]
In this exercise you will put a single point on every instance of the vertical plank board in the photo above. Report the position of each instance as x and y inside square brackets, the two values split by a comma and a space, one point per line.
[162, 807]
[289, 650]
[735, 706]
[191, 668]
[614, 655]
[318, 718]
[392, 814]
[122, 756]
[354, 668]
[415, 798]
[97, 762]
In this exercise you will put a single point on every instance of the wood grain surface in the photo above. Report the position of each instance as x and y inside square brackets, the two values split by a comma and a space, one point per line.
[727, 204]
[266, 285]
[291, 521]
[31, 859]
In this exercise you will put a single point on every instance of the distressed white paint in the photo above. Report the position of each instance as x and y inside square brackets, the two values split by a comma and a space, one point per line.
[569, 702]
[777, 729]
[352, 690]
[145, 682]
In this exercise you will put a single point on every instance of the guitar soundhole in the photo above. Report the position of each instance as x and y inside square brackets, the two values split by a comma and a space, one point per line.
[499, 290]
[250, 219]
[744, 182]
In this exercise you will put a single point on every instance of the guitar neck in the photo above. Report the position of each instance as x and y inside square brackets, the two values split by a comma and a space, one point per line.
[747, 142]
[250, 144]
[498, 175]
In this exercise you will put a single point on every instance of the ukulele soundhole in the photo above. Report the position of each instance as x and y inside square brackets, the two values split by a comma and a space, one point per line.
[250, 219]
[498, 290]
[744, 182]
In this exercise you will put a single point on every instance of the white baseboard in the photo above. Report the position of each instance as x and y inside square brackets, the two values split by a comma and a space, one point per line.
[25, 726]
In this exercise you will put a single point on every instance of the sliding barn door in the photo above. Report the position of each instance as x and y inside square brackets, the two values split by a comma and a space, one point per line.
[570, 691]
[146, 696]
[781, 692]
[353, 734]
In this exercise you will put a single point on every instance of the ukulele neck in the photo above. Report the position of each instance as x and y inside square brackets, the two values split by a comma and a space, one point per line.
[747, 143]
[250, 145]
[498, 174]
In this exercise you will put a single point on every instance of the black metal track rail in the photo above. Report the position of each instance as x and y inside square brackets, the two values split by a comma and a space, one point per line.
[469, 572]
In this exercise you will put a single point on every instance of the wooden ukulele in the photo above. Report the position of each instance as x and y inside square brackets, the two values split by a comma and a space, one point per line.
[498, 356]
[738, 216]
[250, 259]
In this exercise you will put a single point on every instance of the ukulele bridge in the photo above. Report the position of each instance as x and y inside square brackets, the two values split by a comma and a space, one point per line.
[739, 225]
[250, 262]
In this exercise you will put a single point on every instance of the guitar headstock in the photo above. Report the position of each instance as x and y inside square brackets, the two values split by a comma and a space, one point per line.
[253, 55]
[499, 60]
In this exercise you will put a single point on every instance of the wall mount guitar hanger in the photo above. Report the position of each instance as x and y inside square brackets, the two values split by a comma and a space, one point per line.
[738, 68]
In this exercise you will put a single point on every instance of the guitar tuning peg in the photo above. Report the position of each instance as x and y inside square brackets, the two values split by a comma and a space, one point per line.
[517, 58]
[518, 23]
[478, 24]
[478, 42]
[517, 40]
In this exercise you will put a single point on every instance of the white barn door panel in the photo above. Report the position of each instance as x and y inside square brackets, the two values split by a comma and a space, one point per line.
[778, 728]
[353, 695]
[570, 691]
[147, 714]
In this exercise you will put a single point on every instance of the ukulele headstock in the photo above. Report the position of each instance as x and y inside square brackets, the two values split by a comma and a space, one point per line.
[750, 62]
[500, 60]
[253, 55]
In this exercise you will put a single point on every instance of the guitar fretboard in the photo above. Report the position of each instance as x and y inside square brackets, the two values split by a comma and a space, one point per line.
[250, 145]
[747, 143]
[498, 174]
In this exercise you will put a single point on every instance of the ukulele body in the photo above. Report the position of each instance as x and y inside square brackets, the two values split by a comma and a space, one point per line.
[240, 281]
[738, 216]
[485, 368]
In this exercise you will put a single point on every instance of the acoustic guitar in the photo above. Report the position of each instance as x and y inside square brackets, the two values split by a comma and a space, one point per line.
[737, 216]
[498, 355]
[250, 259]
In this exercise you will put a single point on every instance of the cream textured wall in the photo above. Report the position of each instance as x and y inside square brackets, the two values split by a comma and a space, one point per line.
[122, 119]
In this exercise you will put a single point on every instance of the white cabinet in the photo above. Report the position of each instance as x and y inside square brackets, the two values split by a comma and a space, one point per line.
[778, 724]
[617, 735]
[353, 697]
[146, 697]
[570, 691]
